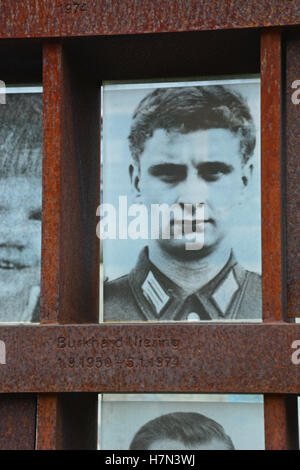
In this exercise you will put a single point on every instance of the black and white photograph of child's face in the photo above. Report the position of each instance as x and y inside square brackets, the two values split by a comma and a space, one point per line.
[20, 206]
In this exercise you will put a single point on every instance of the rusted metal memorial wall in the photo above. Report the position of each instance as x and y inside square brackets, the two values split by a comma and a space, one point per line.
[71, 50]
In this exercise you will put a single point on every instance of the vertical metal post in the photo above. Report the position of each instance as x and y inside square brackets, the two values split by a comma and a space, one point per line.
[280, 411]
[70, 248]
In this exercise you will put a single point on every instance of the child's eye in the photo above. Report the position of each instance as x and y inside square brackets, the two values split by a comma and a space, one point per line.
[36, 215]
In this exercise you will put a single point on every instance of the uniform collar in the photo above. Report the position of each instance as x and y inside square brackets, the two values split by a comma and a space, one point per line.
[161, 299]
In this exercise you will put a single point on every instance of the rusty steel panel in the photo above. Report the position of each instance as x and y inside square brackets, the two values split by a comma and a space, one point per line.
[292, 153]
[47, 428]
[71, 159]
[51, 232]
[70, 247]
[271, 197]
[281, 424]
[210, 358]
[48, 18]
[67, 421]
[17, 422]
[281, 427]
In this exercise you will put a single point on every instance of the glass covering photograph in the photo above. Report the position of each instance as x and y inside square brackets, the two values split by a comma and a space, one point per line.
[20, 204]
[180, 422]
[180, 201]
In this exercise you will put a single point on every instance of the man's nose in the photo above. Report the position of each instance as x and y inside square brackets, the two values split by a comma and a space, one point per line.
[194, 190]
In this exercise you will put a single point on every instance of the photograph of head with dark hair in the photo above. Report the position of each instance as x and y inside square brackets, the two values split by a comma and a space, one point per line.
[20, 206]
[189, 146]
[181, 431]
[180, 421]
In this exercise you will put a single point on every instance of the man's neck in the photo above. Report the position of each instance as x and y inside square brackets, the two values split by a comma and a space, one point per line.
[190, 275]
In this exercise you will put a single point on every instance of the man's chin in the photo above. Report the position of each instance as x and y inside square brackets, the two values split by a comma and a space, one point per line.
[178, 249]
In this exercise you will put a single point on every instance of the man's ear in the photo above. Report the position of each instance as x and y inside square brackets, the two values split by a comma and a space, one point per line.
[134, 173]
[247, 174]
[246, 182]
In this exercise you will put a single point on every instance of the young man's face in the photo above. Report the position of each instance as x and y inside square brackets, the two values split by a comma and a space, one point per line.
[199, 167]
[20, 234]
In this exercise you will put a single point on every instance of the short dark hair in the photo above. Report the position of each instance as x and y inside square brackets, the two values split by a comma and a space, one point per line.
[21, 135]
[188, 428]
[188, 109]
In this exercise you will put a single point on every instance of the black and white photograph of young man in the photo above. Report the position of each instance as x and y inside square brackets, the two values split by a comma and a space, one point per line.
[181, 422]
[191, 145]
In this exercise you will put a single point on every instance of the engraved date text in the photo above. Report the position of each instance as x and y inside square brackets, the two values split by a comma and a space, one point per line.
[73, 7]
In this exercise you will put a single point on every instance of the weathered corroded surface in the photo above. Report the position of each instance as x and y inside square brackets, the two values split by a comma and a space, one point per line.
[17, 421]
[48, 18]
[155, 358]
[292, 153]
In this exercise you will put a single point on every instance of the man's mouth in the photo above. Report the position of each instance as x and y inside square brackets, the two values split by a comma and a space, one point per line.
[192, 222]
[12, 264]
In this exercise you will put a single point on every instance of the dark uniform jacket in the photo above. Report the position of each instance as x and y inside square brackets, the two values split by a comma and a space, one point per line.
[147, 294]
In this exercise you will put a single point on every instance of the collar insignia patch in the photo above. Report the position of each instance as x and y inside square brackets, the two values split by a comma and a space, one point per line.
[225, 291]
[154, 293]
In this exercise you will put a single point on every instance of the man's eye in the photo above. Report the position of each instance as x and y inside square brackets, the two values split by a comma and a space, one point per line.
[211, 176]
[171, 174]
[36, 215]
[172, 178]
[214, 171]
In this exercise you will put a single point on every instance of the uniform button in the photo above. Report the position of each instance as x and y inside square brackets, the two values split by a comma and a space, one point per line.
[193, 316]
